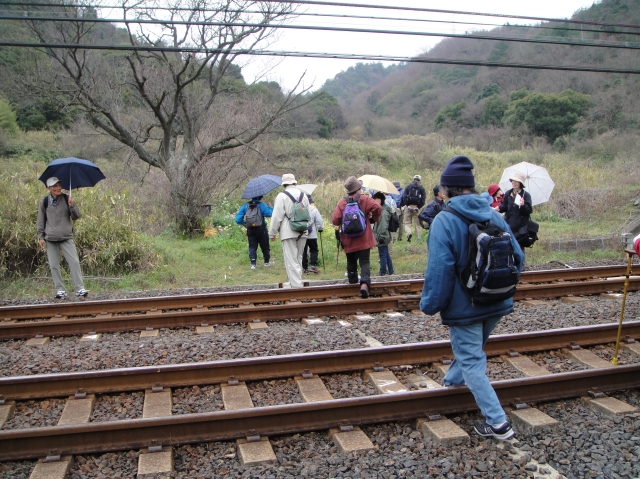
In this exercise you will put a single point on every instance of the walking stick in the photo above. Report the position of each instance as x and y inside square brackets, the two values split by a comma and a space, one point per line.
[324, 270]
[630, 254]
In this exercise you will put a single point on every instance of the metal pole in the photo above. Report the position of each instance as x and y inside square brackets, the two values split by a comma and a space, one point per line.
[324, 270]
[630, 254]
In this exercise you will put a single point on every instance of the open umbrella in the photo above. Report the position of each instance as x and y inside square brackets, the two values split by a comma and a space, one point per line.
[73, 173]
[378, 183]
[538, 182]
[260, 186]
[308, 188]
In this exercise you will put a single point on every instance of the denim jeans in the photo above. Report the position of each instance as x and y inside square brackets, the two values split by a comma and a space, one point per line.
[386, 266]
[470, 364]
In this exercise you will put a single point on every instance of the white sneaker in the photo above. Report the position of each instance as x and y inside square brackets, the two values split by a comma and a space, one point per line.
[270, 263]
[82, 292]
[253, 266]
[61, 295]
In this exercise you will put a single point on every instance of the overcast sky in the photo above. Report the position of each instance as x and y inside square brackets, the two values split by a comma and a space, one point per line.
[287, 71]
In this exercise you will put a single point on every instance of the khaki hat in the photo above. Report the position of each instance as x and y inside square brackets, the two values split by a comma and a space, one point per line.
[518, 177]
[417, 177]
[52, 181]
[352, 184]
[288, 179]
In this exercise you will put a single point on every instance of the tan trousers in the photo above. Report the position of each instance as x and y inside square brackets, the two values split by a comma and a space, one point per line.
[292, 250]
[70, 253]
[411, 219]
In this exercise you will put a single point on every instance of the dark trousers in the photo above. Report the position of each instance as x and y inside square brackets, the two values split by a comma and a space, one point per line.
[258, 236]
[352, 266]
[312, 257]
[386, 266]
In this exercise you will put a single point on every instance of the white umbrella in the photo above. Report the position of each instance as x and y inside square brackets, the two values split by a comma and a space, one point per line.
[378, 183]
[538, 182]
[307, 188]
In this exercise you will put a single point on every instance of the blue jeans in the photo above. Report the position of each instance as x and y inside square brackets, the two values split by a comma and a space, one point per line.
[386, 266]
[470, 365]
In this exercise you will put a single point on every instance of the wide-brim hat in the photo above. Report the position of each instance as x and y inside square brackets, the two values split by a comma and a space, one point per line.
[352, 185]
[288, 179]
[417, 177]
[518, 177]
[52, 181]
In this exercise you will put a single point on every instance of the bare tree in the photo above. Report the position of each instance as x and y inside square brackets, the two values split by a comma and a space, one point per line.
[177, 110]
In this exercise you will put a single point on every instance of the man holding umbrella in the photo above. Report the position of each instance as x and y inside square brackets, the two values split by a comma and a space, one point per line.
[56, 213]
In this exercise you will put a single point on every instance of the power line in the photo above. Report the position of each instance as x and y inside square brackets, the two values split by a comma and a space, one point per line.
[333, 29]
[342, 56]
[394, 19]
[349, 5]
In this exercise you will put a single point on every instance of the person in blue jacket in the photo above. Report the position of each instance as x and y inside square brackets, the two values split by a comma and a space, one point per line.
[469, 324]
[257, 235]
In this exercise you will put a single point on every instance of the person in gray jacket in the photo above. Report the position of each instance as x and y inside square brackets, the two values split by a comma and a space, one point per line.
[56, 213]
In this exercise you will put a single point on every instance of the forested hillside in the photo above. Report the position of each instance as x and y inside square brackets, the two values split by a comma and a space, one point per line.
[494, 103]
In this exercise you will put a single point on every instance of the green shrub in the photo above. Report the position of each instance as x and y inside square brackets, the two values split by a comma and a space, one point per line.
[8, 119]
[106, 235]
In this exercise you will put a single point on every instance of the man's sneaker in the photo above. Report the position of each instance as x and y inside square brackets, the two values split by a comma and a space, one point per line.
[364, 290]
[61, 295]
[503, 432]
[253, 266]
[270, 263]
[313, 269]
[82, 293]
[409, 237]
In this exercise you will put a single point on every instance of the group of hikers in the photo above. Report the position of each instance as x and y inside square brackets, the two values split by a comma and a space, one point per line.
[470, 303]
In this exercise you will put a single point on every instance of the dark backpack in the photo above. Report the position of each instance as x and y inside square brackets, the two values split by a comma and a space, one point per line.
[354, 222]
[253, 216]
[490, 273]
[300, 219]
[394, 222]
[528, 234]
[413, 194]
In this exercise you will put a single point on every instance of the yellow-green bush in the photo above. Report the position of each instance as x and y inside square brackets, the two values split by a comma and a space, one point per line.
[106, 235]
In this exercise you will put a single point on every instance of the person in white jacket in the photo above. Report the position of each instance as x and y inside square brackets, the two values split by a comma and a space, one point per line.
[293, 242]
[310, 254]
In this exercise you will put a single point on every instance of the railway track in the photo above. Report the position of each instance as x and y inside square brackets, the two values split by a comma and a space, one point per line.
[284, 419]
[138, 314]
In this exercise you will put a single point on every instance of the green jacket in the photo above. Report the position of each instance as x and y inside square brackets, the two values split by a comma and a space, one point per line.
[381, 228]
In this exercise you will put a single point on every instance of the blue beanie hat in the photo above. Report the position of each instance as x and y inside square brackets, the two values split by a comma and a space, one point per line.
[458, 173]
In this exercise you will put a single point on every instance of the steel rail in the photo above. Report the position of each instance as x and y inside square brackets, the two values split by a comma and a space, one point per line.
[294, 309]
[272, 295]
[296, 418]
[273, 367]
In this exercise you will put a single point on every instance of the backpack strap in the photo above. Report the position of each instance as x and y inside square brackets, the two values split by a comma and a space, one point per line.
[448, 209]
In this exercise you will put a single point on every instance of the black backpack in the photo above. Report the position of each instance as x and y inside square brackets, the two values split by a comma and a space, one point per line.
[490, 273]
[413, 194]
[394, 222]
[253, 216]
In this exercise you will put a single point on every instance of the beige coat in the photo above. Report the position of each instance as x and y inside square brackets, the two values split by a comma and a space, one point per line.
[282, 209]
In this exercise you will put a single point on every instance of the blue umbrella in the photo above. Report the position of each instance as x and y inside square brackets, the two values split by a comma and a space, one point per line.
[260, 186]
[72, 172]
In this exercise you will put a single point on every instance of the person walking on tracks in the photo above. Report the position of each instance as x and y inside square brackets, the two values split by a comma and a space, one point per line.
[470, 324]
[54, 226]
[285, 222]
[252, 215]
[354, 214]
[383, 235]
[413, 199]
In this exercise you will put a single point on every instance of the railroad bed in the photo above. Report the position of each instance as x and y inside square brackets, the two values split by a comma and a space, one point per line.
[401, 449]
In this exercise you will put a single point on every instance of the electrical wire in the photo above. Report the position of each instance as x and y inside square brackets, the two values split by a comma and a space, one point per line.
[542, 41]
[342, 56]
[345, 4]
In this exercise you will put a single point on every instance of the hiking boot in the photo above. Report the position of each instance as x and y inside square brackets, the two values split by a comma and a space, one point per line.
[313, 269]
[364, 290]
[269, 263]
[305, 271]
[253, 266]
[409, 237]
[503, 432]
[81, 293]
[61, 295]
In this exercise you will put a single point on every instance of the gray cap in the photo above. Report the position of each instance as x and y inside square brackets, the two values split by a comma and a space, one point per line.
[52, 181]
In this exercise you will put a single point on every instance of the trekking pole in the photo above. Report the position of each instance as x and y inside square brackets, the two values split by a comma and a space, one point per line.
[630, 254]
[324, 270]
